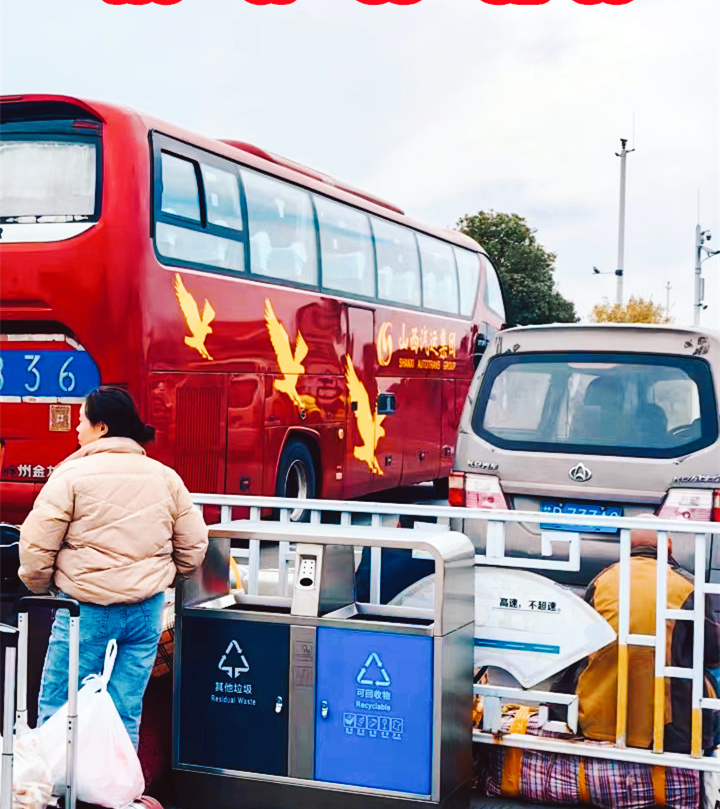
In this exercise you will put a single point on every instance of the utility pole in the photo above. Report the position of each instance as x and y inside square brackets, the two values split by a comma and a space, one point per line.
[701, 236]
[621, 226]
[667, 300]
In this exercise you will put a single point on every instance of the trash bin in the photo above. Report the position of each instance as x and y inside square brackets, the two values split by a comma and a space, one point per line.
[313, 698]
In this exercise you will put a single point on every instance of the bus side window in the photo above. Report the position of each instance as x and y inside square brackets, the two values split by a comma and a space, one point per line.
[260, 249]
[468, 264]
[493, 290]
[180, 196]
[398, 263]
[348, 259]
[439, 274]
[222, 197]
[199, 247]
[180, 234]
[281, 225]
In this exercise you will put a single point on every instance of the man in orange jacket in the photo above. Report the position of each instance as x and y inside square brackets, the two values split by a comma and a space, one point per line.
[595, 678]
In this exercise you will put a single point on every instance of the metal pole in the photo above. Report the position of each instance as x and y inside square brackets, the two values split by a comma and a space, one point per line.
[72, 715]
[21, 682]
[621, 225]
[698, 297]
[6, 799]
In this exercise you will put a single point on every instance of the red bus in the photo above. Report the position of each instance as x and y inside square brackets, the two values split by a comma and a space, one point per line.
[285, 333]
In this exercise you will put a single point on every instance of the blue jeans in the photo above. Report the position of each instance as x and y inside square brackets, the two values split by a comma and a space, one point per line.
[136, 627]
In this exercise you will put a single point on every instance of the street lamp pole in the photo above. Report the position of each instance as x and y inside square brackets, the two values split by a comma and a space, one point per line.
[621, 226]
[701, 236]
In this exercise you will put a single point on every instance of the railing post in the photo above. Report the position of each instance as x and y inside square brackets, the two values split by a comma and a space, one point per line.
[623, 632]
[660, 641]
[698, 677]
[283, 566]
[253, 566]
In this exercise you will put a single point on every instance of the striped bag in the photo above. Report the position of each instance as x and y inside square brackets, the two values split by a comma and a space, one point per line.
[568, 780]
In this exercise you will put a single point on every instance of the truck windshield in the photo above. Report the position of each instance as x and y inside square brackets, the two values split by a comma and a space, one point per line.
[599, 404]
[48, 180]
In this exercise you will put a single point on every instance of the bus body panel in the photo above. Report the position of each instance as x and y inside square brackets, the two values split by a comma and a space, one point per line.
[209, 396]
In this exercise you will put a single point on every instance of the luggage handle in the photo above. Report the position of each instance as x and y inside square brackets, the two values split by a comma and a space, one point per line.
[50, 602]
[11, 632]
[46, 602]
[73, 607]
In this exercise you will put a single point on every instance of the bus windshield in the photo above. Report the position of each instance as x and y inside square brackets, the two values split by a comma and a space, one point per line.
[47, 180]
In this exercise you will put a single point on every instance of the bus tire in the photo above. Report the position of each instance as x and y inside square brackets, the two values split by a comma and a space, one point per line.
[296, 476]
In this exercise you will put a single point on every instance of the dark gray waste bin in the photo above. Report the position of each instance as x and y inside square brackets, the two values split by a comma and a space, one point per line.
[313, 699]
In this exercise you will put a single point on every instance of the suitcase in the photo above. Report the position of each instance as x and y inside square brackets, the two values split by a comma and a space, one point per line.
[52, 603]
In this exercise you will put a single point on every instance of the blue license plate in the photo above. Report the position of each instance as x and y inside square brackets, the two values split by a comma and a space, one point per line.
[29, 373]
[581, 509]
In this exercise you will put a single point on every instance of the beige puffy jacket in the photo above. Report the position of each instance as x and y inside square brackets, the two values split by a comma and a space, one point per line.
[111, 526]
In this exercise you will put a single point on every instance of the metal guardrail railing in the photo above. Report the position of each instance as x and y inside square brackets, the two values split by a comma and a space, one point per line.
[348, 513]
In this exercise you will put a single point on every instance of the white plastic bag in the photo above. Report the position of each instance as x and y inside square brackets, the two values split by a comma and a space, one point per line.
[108, 769]
[711, 785]
[31, 780]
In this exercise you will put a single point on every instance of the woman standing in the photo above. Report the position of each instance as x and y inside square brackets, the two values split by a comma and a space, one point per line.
[112, 529]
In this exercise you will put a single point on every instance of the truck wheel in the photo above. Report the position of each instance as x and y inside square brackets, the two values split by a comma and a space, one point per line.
[296, 477]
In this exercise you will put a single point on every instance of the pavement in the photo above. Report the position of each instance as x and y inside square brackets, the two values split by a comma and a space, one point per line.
[476, 802]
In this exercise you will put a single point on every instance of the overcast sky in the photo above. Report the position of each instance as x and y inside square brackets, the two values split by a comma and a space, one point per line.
[445, 107]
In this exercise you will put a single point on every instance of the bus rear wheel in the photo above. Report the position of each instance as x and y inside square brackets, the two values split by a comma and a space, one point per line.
[296, 477]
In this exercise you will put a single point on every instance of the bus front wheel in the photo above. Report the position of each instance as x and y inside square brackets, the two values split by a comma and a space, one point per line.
[296, 476]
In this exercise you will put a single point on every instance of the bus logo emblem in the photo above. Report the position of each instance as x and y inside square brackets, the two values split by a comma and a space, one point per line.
[384, 343]
[199, 325]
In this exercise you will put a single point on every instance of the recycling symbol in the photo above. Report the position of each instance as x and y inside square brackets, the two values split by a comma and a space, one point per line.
[373, 659]
[234, 671]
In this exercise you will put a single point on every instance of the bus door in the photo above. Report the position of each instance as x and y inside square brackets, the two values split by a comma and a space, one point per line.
[389, 450]
[362, 469]
[246, 421]
[452, 405]
[422, 408]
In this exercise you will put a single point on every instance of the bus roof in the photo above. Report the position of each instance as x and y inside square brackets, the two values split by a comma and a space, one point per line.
[249, 155]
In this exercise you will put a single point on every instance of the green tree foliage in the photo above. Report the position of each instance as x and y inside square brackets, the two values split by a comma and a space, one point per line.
[524, 266]
[636, 310]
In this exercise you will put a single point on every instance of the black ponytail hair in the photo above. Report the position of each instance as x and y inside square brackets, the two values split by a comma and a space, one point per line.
[115, 408]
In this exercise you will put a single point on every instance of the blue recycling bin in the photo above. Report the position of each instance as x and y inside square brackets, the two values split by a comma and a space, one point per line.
[373, 719]
[296, 694]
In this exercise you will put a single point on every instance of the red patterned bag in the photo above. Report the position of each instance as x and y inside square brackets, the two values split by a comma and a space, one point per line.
[568, 780]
